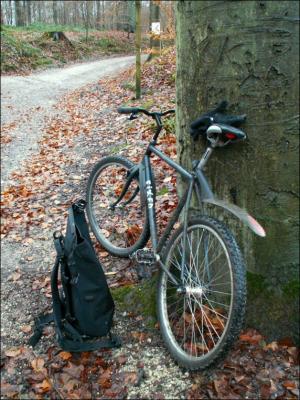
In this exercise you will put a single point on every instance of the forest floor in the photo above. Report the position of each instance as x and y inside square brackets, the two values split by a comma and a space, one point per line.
[83, 126]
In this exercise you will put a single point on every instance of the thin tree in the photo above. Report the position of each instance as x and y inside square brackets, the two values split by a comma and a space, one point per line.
[65, 12]
[55, 12]
[138, 49]
[19, 13]
[98, 14]
[28, 9]
[154, 16]
[85, 10]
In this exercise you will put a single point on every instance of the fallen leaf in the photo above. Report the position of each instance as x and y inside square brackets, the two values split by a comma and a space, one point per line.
[140, 336]
[105, 379]
[272, 346]
[130, 377]
[13, 352]
[252, 339]
[26, 328]
[65, 355]
[43, 387]
[14, 276]
[74, 370]
[38, 364]
[289, 384]
[121, 360]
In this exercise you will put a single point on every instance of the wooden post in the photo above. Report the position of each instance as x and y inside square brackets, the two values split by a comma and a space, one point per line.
[138, 49]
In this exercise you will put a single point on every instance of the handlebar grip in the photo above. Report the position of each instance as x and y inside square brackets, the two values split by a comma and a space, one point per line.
[128, 110]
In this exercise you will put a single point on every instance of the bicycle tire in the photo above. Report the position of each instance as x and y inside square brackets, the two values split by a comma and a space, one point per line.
[108, 225]
[197, 301]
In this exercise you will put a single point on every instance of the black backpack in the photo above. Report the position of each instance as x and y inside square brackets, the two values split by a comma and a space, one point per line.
[83, 308]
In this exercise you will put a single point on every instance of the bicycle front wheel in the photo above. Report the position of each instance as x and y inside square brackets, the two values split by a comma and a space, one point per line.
[122, 229]
[201, 320]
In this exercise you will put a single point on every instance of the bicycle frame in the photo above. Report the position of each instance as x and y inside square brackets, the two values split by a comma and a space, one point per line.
[197, 181]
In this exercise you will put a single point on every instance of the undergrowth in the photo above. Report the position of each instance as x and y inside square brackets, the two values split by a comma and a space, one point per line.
[27, 48]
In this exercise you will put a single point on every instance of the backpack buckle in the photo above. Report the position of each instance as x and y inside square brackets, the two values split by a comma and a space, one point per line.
[79, 205]
[58, 243]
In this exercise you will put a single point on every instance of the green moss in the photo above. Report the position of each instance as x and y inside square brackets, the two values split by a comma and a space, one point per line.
[162, 191]
[120, 293]
[169, 125]
[147, 104]
[138, 299]
[273, 309]
[256, 283]
[291, 289]
[128, 86]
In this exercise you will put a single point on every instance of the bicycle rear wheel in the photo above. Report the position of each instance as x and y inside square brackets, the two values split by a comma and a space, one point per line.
[201, 321]
[123, 229]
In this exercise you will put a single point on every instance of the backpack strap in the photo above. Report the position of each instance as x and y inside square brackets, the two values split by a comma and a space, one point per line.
[40, 322]
[74, 346]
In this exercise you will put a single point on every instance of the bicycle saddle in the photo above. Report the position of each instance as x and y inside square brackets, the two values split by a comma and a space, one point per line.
[216, 116]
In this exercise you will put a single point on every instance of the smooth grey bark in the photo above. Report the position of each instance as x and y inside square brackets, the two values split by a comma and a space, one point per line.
[19, 13]
[28, 9]
[55, 12]
[98, 14]
[248, 53]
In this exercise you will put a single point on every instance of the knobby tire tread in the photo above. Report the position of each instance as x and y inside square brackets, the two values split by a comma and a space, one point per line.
[119, 252]
[239, 281]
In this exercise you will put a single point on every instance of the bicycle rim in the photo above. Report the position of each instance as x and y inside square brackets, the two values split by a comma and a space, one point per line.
[119, 228]
[198, 320]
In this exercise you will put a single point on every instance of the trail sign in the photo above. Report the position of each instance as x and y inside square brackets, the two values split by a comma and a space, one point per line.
[155, 28]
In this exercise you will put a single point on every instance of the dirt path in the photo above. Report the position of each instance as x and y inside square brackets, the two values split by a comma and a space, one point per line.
[30, 104]
[27, 101]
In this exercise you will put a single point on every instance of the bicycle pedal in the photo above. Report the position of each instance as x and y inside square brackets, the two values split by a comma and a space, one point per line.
[144, 256]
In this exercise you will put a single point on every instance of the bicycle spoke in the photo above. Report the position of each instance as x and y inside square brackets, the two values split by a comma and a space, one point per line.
[200, 316]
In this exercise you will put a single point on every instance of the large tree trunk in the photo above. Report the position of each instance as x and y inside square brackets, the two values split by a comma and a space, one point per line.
[248, 53]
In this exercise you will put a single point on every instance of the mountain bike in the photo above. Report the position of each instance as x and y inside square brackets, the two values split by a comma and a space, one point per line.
[201, 291]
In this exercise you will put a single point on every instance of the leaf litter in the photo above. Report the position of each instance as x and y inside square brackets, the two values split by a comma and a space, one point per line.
[36, 204]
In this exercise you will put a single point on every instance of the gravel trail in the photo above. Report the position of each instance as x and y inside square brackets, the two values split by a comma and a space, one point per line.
[28, 105]
[27, 102]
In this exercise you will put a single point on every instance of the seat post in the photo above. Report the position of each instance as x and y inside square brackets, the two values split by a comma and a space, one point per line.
[205, 157]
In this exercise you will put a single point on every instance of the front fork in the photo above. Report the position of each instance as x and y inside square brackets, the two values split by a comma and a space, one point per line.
[185, 228]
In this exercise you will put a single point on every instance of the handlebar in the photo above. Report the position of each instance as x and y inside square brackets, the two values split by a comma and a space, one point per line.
[155, 115]
[136, 110]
